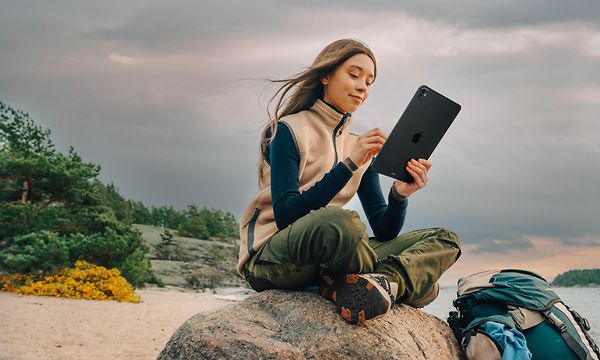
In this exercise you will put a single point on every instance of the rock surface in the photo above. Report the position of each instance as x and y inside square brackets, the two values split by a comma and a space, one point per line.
[193, 263]
[279, 324]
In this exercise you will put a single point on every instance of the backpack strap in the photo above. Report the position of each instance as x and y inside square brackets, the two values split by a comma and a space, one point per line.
[589, 350]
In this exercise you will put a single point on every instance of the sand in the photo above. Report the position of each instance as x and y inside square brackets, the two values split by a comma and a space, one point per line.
[35, 327]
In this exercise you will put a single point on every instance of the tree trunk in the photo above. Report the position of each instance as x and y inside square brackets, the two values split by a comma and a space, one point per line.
[26, 188]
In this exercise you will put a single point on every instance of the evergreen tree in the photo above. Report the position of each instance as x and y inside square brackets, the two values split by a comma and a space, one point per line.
[139, 213]
[111, 197]
[214, 222]
[232, 228]
[19, 133]
[166, 238]
[167, 246]
[53, 210]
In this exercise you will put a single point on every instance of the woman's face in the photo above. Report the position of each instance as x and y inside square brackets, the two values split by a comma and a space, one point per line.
[347, 87]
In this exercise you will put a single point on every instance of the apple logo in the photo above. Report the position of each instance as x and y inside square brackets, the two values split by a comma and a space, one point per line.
[416, 137]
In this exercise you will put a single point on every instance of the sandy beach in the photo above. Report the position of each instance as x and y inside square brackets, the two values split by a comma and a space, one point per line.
[34, 327]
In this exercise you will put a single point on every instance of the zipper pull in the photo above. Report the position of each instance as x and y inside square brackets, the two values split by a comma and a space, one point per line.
[343, 122]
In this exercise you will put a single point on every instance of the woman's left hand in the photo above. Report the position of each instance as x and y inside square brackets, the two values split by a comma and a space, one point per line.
[418, 170]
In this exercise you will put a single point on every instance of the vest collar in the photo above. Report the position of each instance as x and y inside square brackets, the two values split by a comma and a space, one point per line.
[331, 116]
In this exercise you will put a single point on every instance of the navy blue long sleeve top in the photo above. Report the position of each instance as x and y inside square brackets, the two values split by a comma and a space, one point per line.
[289, 204]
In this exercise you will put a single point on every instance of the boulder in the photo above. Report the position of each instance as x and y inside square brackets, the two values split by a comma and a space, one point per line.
[279, 324]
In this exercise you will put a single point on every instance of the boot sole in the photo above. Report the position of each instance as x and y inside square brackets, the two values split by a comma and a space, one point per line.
[356, 299]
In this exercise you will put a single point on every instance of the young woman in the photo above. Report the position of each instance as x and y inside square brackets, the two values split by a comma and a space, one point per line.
[295, 232]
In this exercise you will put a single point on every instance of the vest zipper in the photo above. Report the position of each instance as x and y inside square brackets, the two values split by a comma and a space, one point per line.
[335, 134]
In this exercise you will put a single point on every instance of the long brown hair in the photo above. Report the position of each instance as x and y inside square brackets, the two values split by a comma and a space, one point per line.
[299, 92]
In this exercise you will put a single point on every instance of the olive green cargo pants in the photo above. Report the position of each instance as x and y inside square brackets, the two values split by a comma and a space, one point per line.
[333, 240]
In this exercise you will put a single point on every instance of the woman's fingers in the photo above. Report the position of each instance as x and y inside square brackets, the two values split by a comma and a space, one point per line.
[418, 165]
[382, 134]
[415, 176]
[374, 147]
[375, 132]
[419, 169]
[427, 163]
[375, 139]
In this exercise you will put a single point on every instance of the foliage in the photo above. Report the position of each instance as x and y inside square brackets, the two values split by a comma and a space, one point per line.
[110, 196]
[583, 277]
[167, 247]
[192, 280]
[54, 211]
[85, 281]
[57, 210]
[136, 267]
[193, 222]
[37, 251]
[19, 133]
[140, 214]
[207, 278]
[166, 238]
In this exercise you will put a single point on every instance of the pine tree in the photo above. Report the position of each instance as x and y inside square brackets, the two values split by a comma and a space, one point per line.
[53, 210]
[167, 238]
[167, 246]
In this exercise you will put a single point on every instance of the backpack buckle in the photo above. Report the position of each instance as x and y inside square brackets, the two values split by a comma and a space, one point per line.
[583, 322]
[554, 320]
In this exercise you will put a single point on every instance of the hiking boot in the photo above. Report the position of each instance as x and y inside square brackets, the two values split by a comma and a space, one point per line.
[428, 297]
[359, 297]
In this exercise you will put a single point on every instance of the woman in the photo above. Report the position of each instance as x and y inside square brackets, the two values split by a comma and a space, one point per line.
[295, 232]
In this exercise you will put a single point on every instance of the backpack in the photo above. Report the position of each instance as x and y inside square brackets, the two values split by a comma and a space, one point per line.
[497, 309]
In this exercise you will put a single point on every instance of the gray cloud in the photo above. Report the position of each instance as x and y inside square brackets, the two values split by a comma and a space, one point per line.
[179, 122]
[201, 25]
[504, 14]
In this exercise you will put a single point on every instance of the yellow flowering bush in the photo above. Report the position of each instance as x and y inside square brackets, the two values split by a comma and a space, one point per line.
[84, 281]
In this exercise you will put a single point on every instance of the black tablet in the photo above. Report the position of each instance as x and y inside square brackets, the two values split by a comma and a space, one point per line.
[420, 128]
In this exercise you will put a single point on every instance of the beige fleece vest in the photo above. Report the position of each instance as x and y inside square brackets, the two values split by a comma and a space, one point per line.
[312, 130]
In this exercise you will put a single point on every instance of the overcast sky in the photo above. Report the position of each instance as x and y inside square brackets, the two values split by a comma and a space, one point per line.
[167, 97]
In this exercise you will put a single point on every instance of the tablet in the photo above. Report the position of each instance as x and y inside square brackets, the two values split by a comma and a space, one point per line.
[416, 134]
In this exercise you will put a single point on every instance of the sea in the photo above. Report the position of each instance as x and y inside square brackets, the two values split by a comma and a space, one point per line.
[584, 300]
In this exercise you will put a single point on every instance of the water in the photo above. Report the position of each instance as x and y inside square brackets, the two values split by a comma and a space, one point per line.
[585, 301]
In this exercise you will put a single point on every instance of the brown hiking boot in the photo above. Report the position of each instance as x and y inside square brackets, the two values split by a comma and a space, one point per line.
[428, 297]
[359, 297]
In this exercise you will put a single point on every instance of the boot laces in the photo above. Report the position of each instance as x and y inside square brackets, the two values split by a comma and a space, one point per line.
[385, 283]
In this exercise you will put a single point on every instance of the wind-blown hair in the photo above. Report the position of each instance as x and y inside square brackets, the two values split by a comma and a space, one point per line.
[299, 92]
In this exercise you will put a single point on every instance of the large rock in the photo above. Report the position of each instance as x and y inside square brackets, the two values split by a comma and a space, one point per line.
[301, 325]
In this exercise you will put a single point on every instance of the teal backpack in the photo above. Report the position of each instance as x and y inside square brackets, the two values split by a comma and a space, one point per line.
[532, 319]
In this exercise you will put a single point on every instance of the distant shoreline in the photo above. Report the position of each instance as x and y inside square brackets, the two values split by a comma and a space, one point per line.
[578, 278]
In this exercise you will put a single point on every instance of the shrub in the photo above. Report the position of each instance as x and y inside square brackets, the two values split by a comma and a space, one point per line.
[84, 281]
[192, 280]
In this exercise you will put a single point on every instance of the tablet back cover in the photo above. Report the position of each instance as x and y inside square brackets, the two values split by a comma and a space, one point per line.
[416, 134]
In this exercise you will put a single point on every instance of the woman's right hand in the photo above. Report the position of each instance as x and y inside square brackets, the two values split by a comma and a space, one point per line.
[367, 146]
